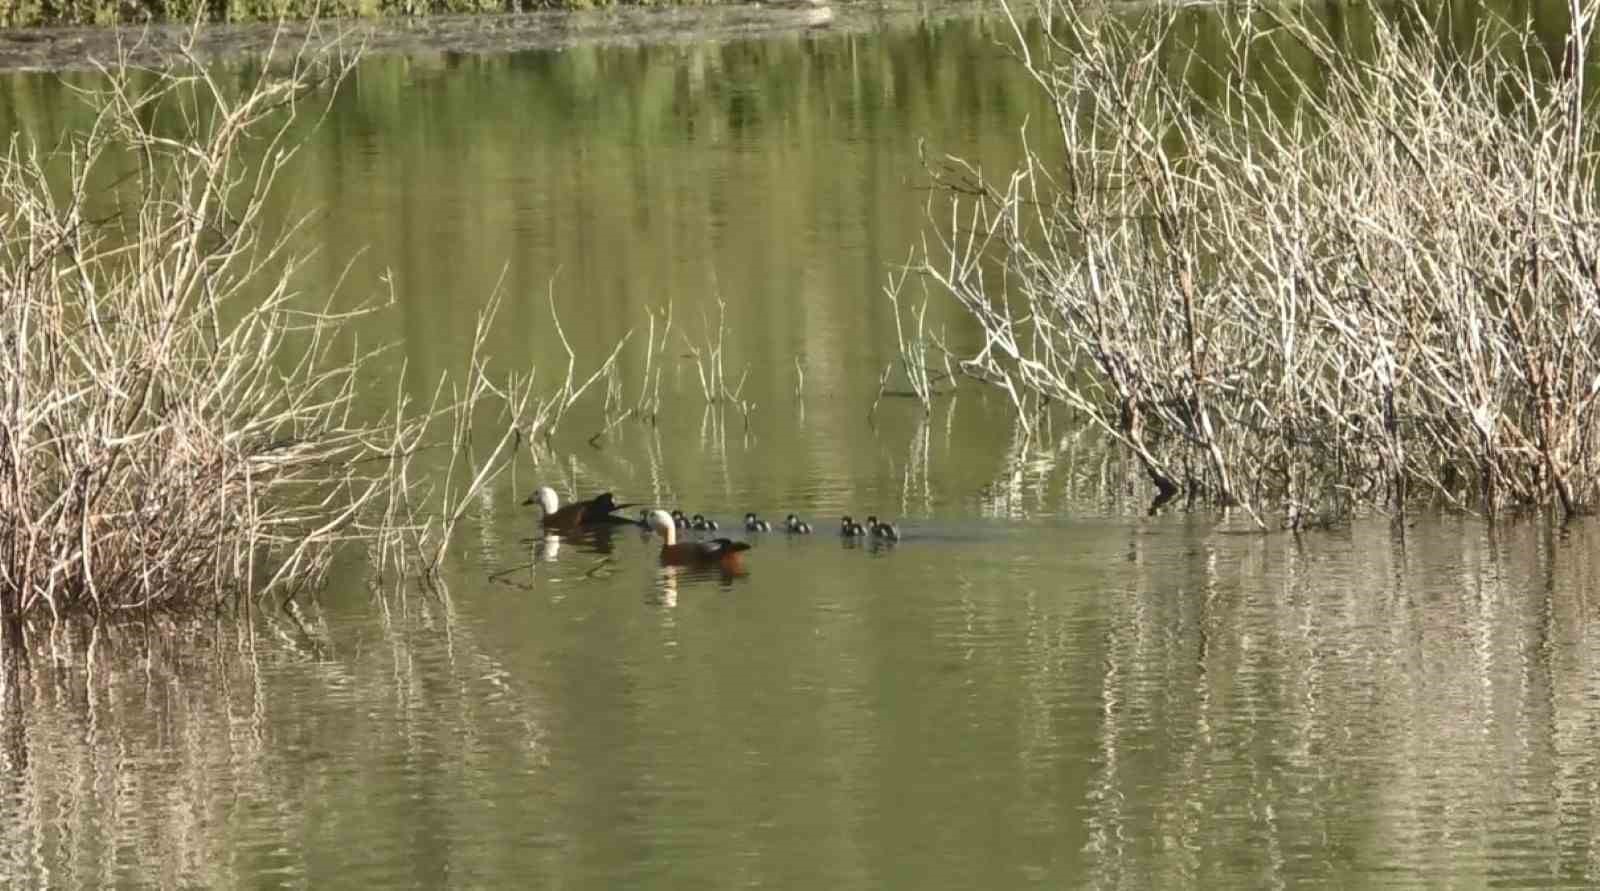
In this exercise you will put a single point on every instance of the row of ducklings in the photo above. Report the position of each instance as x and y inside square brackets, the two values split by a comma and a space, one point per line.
[792, 524]
[849, 528]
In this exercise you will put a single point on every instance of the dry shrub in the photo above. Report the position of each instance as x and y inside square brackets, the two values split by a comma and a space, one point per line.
[175, 424]
[1362, 272]
[179, 426]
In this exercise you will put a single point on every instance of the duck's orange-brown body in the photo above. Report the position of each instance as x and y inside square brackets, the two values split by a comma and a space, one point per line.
[724, 553]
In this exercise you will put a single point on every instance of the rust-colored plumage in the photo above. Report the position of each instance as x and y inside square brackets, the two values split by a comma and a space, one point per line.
[720, 552]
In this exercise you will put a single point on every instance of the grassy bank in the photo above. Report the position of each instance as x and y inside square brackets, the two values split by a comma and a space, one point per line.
[1362, 275]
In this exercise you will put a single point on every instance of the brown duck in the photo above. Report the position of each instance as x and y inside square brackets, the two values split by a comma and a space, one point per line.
[597, 511]
[724, 553]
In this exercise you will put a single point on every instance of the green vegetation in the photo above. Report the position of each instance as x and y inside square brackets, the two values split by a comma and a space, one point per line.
[1359, 269]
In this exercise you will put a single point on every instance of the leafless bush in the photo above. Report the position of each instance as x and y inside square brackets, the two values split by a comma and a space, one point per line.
[177, 424]
[913, 348]
[708, 363]
[1358, 275]
[171, 415]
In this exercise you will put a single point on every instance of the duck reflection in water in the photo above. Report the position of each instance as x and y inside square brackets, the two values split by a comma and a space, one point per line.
[665, 592]
[596, 539]
[547, 548]
[674, 577]
[599, 540]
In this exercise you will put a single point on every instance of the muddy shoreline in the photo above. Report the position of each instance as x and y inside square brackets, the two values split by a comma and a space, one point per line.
[65, 49]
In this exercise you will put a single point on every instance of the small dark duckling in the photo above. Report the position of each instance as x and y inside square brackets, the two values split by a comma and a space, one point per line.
[796, 526]
[679, 520]
[699, 523]
[885, 531]
[753, 523]
[850, 528]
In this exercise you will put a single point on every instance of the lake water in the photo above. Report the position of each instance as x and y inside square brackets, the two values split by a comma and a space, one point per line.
[1038, 686]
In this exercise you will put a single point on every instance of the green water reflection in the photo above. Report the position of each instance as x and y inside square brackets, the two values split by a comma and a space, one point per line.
[1035, 687]
[1162, 705]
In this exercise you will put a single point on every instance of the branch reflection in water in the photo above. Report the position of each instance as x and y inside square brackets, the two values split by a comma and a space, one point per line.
[172, 747]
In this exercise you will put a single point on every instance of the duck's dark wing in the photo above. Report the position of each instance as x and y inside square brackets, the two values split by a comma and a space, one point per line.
[608, 500]
[614, 520]
[716, 547]
[596, 508]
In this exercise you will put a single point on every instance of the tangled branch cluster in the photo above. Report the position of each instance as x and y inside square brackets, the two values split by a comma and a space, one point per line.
[169, 414]
[1364, 271]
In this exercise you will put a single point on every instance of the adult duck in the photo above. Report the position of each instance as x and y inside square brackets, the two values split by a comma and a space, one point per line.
[597, 511]
[721, 552]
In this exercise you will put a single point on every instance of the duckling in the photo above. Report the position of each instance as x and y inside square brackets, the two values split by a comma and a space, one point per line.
[885, 531]
[796, 526]
[678, 519]
[753, 523]
[850, 528]
[699, 523]
[722, 552]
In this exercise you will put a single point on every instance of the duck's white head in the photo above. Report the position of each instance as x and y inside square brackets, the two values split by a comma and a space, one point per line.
[547, 499]
[662, 523]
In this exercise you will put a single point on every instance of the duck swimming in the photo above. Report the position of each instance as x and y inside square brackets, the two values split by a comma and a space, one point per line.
[885, 531]
[796, 526]
[678, 519]
[722, 552]
[700, 524]
[597, 511]
[753, 523]
[850, 528]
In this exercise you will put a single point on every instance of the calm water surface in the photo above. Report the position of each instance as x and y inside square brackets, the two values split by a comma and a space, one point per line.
[1035, 687]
